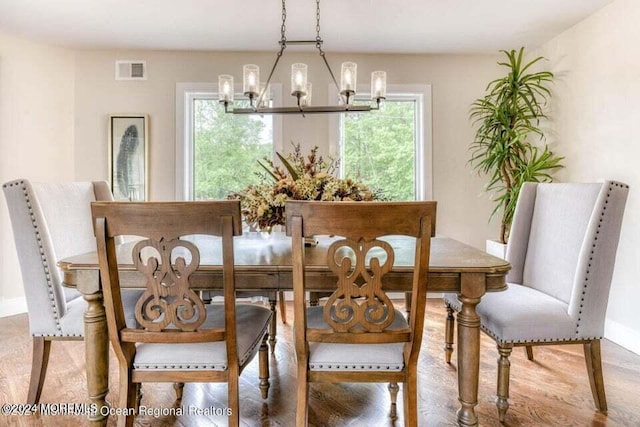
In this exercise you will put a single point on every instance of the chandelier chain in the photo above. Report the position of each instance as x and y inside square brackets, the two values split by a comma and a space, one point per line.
[318, 39]
[283, 28]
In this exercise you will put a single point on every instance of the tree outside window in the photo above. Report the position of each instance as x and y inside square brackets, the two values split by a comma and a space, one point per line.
[226, 149]
[379, 149]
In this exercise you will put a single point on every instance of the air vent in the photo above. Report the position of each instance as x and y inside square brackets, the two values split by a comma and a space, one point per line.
[131, 70]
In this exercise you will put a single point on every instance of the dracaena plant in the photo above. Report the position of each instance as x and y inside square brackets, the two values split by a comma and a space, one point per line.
[507, 119]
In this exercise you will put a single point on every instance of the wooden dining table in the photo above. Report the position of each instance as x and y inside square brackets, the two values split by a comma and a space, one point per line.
[263, 262]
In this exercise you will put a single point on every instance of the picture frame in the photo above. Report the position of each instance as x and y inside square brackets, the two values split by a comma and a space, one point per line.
[128, 156]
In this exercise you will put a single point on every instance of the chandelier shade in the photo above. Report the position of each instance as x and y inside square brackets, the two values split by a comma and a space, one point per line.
[259, 93]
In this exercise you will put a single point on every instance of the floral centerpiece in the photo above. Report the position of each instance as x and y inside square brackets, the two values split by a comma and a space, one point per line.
[310, 178]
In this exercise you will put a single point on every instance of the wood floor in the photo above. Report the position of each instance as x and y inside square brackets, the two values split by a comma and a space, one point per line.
[551, 391]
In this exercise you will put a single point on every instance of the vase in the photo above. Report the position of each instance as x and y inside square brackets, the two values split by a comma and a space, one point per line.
[496, 248]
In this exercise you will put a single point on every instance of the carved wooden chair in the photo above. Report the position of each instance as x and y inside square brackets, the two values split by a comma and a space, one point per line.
[177, 338]
[52, 221]
[562, 251]
[358, 335]
[275, 298]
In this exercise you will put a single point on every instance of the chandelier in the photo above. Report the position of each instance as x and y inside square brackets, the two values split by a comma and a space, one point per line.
[259, 94]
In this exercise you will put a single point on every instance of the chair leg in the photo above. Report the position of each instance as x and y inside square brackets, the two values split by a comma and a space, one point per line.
[139, 395]
[529, 351]
[314, 299]
[502, 401]
[410, 398]
[393, 391]
[448, 334]
[273, 326]
[302, 407]
[206, 297]
[128, 397]
[407, 303]
[233, 396]
[39, 362]
[178, 388]
[283, 307]
[263, 362]
[594, 370]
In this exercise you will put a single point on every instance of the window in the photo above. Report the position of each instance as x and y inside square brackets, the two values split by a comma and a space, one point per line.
[218, 152]
[389, 149]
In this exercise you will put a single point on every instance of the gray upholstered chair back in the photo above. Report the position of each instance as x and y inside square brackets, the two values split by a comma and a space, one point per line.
[563, 242]
[50, 221]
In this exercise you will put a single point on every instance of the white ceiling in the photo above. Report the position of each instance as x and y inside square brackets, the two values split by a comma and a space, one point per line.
[408, 26]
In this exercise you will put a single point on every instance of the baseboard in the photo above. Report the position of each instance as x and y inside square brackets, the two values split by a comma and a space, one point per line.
[622, 335]
[12, 306]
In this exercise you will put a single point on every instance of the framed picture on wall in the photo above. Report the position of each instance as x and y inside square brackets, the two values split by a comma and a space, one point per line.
[128, 156]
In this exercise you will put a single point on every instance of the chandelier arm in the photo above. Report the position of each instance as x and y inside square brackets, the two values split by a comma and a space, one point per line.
[324, 58]
[275, 64]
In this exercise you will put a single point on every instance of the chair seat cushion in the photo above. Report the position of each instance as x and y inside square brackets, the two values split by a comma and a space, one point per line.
[72, 323]
[354, 357]
[522, 314]
[251, 325]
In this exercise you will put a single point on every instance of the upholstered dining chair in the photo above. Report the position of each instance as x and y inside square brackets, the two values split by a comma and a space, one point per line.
[177, 338]
[358, 335]
[51, 221]
[562, 250]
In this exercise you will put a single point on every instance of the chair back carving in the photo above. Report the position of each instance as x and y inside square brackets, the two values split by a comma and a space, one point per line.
[359, 310]
[168, 301]
[359, 303]
[168, 310]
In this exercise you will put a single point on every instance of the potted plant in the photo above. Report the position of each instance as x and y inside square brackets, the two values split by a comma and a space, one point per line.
[507, 119]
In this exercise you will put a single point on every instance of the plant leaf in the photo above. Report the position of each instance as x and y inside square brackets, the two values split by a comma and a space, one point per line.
[288, 166]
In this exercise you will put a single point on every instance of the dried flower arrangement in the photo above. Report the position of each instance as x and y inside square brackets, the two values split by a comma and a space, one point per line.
[310, 178]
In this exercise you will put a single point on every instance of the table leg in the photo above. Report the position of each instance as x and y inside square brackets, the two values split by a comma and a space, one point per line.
[472, 289]
[96, 344]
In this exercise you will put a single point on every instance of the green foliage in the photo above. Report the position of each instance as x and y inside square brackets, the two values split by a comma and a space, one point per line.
[379, 149]
[226, 150]
[505, 117]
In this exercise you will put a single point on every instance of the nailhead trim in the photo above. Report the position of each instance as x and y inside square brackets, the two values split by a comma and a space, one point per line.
[45, 261]
[255, 344]
[593, 249]
[591, 255]
[393, 367]
[57, 335]
[212, 367]
[547, 340]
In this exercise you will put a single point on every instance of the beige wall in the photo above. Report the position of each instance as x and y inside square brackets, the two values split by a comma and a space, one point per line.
[595, 125]
[463, 208]
[36, 131]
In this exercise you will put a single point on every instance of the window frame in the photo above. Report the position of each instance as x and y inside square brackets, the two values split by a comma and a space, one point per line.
[421, 94]
[186, 93]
